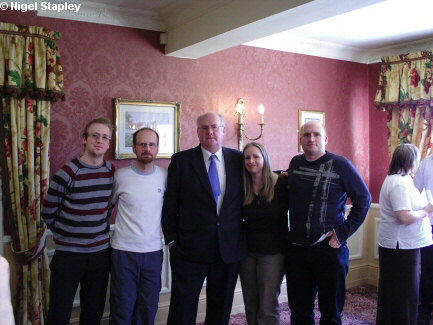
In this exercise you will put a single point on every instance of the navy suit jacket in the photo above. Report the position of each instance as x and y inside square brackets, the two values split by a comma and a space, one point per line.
[189, 215]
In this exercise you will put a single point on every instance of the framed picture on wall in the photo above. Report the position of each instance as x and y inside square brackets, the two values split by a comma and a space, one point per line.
[132, 115]
[306, 116]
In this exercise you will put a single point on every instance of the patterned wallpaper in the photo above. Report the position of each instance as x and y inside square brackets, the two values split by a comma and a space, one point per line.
[379, 158]
[103, 62]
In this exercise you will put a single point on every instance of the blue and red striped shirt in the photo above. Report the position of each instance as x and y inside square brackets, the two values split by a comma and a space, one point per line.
[76, 206]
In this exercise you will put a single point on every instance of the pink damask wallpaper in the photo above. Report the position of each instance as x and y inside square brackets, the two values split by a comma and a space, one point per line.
[379, 159]
[103, 62]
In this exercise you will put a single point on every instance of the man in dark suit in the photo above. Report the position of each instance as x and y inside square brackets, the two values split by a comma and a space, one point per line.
[201, 221]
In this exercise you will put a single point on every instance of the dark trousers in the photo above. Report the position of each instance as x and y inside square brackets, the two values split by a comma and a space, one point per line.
[68, 270]
[425, 307]
[261, 276]
[187, 282]
[135, 286]
[318, 269]
[397, 300]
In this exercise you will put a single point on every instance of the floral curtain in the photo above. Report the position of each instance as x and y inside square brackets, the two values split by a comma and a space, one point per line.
[410, 125]
[31, 79]
[405, 91]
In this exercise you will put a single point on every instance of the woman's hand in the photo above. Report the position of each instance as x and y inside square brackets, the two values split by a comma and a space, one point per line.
[429, 207]
[409, 216]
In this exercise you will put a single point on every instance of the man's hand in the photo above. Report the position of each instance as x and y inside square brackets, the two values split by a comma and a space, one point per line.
[333, 242]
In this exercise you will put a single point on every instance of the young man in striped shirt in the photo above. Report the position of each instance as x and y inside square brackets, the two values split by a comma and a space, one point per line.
[76, 210]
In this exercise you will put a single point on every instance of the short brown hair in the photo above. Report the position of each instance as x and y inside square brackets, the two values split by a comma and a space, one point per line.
[404, 159]
[99, 120]
[134, 136]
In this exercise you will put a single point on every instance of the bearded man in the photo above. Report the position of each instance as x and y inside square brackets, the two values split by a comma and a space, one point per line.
[137, 244]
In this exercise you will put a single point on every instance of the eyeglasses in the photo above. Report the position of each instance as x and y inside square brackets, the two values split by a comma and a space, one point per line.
[214, 128]
[97, 136]
[144, 145]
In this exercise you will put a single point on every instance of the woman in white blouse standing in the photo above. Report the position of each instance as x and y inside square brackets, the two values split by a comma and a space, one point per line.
[403, 230]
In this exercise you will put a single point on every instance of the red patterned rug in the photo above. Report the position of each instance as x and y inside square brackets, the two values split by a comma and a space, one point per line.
[360, 308]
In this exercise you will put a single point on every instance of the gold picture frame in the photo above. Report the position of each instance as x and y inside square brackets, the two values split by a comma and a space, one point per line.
[305, 116]
[132, 115]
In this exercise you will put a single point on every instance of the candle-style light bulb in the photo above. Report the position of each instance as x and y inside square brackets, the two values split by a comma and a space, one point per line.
[261, 110]
[240, 106]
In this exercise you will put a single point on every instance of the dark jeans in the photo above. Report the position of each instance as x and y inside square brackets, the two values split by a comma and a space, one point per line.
[187, 282]
[135, 286]
[426, 284]
[318, 269]
[68, 270]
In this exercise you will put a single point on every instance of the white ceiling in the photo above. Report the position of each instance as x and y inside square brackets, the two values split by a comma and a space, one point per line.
[355, 30]
[388, 27]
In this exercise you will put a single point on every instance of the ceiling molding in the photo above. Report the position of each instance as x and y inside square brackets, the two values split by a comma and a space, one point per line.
[299, 45]
[375, 55]
[307, 46]
[110, 15]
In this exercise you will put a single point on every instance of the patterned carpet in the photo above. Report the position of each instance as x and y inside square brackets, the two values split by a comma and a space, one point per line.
[360, 308]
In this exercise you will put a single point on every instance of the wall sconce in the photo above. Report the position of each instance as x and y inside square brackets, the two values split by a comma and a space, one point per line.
[241, 110]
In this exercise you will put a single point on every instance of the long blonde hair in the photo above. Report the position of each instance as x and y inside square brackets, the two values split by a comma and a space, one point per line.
[269, 177]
